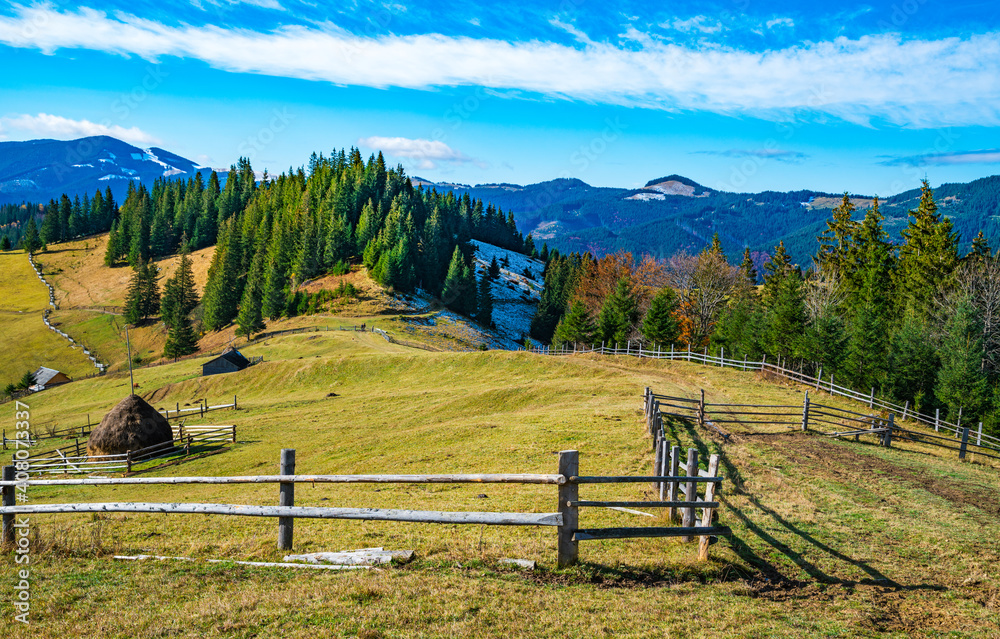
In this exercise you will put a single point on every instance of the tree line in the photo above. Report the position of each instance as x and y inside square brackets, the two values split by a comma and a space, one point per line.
[911, 318]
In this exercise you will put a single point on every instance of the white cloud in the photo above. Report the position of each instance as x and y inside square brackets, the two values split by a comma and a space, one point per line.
[45, 125]
[780, 22]
[880, 77]
[425, 153]
[704, 24]
[983, 156]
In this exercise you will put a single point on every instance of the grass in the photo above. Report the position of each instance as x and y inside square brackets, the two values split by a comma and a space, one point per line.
[830, 538]
[27, 342]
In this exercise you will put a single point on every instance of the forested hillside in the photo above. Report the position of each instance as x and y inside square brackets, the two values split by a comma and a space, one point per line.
[914, 321]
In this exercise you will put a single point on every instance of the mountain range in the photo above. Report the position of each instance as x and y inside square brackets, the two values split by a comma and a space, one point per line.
[667, 215]
[40, 170]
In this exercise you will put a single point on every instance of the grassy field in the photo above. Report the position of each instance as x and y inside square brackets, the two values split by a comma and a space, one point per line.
[27, 343]
[830, 538]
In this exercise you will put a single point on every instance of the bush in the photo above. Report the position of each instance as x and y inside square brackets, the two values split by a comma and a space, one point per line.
[341, 268]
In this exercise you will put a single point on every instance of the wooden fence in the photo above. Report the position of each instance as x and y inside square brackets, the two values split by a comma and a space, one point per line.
[903, 411]
[566, 519]
[73, 459]
[84, 430]
[807, 416]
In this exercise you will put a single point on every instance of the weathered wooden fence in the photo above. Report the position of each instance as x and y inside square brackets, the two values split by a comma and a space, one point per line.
[903, 411]
[566, 519]
[73, 459]
[807, 416]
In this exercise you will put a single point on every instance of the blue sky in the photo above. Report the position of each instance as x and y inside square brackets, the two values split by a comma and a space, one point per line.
[739, 95]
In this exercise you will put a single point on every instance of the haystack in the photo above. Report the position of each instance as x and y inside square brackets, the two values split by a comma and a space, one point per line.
[131, 425]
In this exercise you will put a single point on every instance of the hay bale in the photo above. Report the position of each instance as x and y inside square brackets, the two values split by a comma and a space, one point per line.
[131, 425]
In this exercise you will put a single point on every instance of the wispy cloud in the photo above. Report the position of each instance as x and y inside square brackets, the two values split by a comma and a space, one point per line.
[983, 156]
[819, 78]
[45, 125]
[425, 153]
[780, 22]
[702, 24]
[792, 157]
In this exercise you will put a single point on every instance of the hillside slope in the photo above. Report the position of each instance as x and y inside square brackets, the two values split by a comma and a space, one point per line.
[829, 538]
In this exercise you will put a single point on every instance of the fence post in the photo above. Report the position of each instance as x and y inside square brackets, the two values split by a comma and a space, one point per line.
[646, 397]
[687, 517]
[831, 384]
[5, 439]
[8, 500]
[887, 439]
[178, 411]
[805, 412]
[871, 399]
[965, 443]
[658, 460]
[906, 406]
[744, 363]
[701, 409]
[286, 497]
[722, 356]
[234, 402]
[234, 433]
[662, 469]
[689, 352]
[128, 461]
[937, 419]
[979, 435]
[77, 442]
[675, 454]
[706, 514]
[656, 412]
[568, 549]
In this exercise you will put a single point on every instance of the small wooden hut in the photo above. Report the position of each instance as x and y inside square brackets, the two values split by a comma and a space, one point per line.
[230, 361]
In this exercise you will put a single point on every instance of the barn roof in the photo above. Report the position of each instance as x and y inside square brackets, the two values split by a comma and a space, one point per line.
[234, 356]
[44, 375]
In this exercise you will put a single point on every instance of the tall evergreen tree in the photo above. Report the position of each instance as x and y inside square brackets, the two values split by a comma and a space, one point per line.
[484, 302]
[747, 268]
[775, 271]
[619, 313]
[250, 318]
[913, 362]
[576, 327]
[660, 325]
[143, 297]
[928, 256]
[179, 294]
[961, 382]
[30, 241]
[786, 318]
[835, 243]
[181, 338]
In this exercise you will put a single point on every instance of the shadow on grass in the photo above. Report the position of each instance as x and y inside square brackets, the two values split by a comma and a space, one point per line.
[683, 431]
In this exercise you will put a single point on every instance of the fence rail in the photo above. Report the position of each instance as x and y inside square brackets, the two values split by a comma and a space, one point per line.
[806, 417]
[903, 411]
[566, 520]
[74, 459]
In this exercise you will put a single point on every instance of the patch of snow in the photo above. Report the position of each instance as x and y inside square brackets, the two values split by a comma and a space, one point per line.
[646, 197]
[106, 160]
[80, 166]
[515, 295]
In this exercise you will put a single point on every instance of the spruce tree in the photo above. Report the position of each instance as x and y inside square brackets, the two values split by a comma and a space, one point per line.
[716, 246]
[775, 271]
[30, 241]
[181, 338]
[660, 325]
[494, 269]
[786, 318]
[179, 292]
[835, 242]
[484, 302]
[619, 313]
[250, 318]
[576, 327]
[913, 362]
[454, 292]
[142, 299]
[747, 268]
[5, 243]
[928, 256]
[961, 382]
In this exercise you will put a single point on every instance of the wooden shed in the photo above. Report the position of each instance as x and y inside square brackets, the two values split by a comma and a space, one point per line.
[230, 361]
[48, 377]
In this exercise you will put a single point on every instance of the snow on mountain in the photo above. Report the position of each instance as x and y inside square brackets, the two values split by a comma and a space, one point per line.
[515, 293]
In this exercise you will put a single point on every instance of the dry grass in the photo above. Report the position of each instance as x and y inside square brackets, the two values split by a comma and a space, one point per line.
[830, 538]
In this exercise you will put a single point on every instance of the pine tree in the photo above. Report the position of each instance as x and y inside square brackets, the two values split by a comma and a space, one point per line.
[49, 232]
[619, 313]
[787, 317]
[835, 242]
[484, 303]
[179, 292]
[223, 290]
[961, 382]
[5, 243]
[576, 327]
[181, 338]
[454, 293]
[716, 246]
[980, 248]
[928, 257]
[747, 268]
[913, 362]
[250, 318]
[775, 271]
[136, 299]
[30, 241]
[660, 326]
[494, 270]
